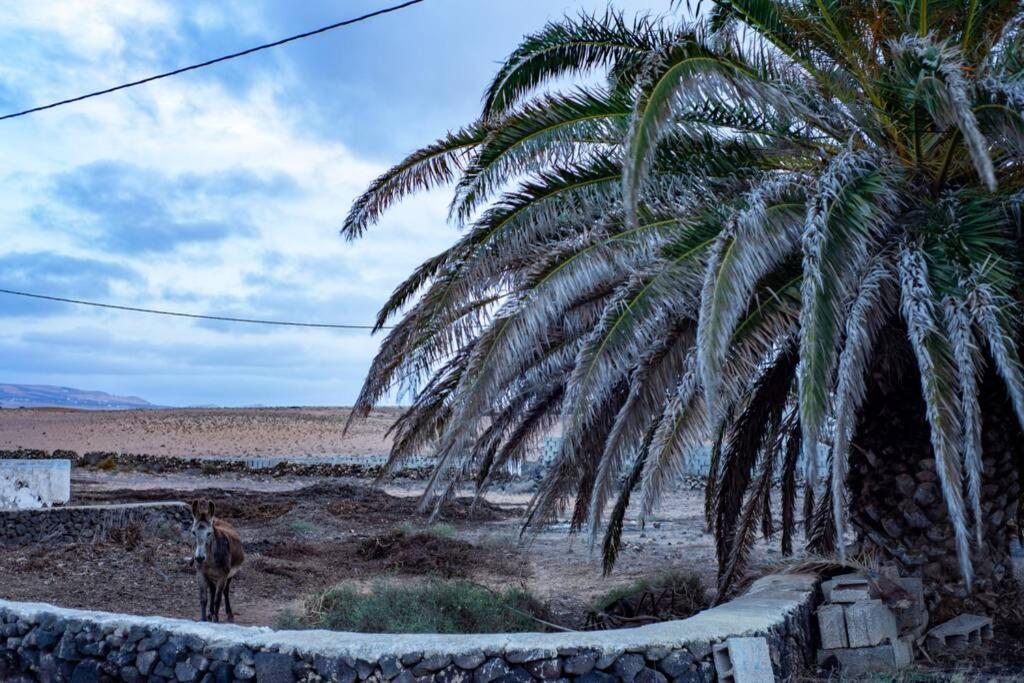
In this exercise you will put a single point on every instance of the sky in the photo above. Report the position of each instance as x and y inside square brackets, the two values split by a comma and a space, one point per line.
[221, 191]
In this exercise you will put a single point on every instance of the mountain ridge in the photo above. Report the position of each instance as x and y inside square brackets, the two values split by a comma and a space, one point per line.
[50, 396]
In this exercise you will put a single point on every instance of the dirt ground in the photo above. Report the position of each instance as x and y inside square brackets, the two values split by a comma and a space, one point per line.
[303, 534]
[199, 431]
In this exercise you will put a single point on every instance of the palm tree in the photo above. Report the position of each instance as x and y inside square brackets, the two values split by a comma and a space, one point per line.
[784, 225]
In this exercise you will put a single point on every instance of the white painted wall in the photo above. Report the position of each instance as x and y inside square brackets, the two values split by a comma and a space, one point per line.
[31, 484]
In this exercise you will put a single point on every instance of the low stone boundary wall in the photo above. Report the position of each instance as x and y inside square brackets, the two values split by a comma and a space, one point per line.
[48, 643]
[87, 522]
[321, 466]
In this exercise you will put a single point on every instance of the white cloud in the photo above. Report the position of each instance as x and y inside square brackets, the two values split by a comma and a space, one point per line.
[190, 125]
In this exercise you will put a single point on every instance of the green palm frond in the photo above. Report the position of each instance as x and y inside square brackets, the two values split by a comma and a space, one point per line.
[434, 165]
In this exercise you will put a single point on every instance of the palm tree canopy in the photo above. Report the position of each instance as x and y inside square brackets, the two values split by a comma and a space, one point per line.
[704, 244]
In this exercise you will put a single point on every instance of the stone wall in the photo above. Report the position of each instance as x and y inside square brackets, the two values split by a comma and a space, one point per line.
[87, 522]
[42, 642]
[321, 466]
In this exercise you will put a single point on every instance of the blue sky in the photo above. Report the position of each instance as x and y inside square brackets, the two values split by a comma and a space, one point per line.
[221, 191]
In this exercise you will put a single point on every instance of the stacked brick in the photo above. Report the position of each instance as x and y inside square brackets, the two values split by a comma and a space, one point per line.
[863, 630]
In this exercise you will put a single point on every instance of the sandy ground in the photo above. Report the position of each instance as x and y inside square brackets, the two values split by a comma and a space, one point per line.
[304, 534]
[199, 431]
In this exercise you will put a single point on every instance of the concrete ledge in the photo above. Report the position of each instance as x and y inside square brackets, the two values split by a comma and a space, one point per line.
[778, 607]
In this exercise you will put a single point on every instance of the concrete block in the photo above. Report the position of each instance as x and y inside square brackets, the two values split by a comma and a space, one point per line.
[27, 484]
[832, 626]
[848, 588]
[743, 660]
[911, 619]
[870, 623]
[862, 660]
[957, 634]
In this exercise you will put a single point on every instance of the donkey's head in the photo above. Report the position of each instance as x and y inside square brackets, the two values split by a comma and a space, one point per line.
[202, 528]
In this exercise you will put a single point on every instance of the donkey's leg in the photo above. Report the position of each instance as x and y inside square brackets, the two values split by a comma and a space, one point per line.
[227, 601]
[211, 589]
[203, 595]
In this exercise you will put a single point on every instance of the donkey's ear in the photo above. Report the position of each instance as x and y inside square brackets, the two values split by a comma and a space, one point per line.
[210, 508]
[195, 507]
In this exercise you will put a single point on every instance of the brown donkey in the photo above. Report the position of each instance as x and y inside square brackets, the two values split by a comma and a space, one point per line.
[217, 557]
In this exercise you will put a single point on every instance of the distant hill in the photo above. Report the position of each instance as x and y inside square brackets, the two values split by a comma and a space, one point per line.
[44, 396]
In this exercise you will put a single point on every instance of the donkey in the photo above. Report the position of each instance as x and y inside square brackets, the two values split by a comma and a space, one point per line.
[218, 555]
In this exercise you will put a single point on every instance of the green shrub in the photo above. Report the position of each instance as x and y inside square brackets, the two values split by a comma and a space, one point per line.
[107, 464]
[434, 606]
[302, 527]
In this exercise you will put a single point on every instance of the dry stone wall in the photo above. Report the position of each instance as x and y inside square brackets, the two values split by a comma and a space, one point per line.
[88, 522]
[42, 642]
[321, 466]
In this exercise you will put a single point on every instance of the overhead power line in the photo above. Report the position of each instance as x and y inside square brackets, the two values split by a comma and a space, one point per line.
[178, 314]
[200, 65]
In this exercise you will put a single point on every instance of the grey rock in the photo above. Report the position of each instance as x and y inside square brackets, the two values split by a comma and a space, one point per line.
[677, 664]
[407, 677]
[365, 669]
[334, 670]
[431, 664]
[580, 664]
[469, 661]
[66, 648]
[145, 661]
[200, 662]
[453, 674]
[135, 634]
[222, 672]
[155, 640]
[390, 666]
[648, 675]
[491, 670]
[123, 657]
[597, 677]
[606, 660]
[45, 638]
[129, 674]
[245, 672]
[412, 658]
[516, 675]
[521, 656]
[545, 669]
[87, 671]
[274, 667]
[47, 667]
[628, 666]
[163, 671]
[170, 652]
[701, 675]
[656, 654]
[184, 671]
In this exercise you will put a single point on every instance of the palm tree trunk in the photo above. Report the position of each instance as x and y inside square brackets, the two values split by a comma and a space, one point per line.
[896, 504]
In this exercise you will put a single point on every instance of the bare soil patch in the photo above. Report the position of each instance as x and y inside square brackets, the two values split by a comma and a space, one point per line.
[305, 535]
[199, 431]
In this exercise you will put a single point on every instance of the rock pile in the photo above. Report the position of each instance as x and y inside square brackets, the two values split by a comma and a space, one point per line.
[870, 623]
